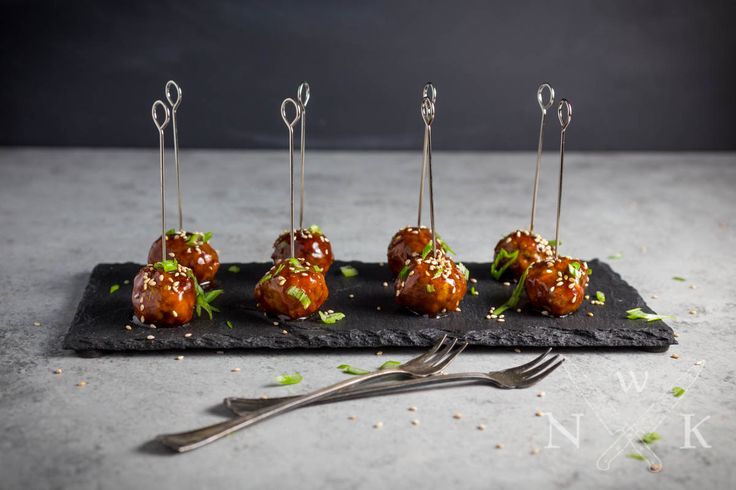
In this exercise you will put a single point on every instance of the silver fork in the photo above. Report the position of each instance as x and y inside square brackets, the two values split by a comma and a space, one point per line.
[429, 363]
[517, 377]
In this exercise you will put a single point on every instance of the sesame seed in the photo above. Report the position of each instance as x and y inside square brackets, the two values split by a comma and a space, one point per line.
[488, 317]
[499, 445]
[540, 394]
[176, 315]
[378, 308]
[481, 427]
[235, 370]
[82, 384]
[474, 280]
[457, 416]
[285, 332]
[700, 363]
[517, 350]
[538, 413]
[415, 422]
[545, 312]
[379, 353]
[151, 337]
[263, 397]
[552, 289]
[507, 283]
[412, 408]
[36, 324]
[275, 324]
[535, 450]
[693, 311]
[179, 358]
[385, 284]
[693, 286]
[655, 468]
[128, 327]
[654, 296]
[518, 310]
[590, 313]
[378, 425]
[501, 320]
[352, 417]
[188, 334]
[675, 356]
[351, 296]
[57, 371]
[493, 316]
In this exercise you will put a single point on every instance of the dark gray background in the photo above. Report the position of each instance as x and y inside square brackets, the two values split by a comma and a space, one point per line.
[642, 75]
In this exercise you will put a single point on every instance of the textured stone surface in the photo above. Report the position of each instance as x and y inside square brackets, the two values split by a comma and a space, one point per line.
[63, 211]
[98, 324]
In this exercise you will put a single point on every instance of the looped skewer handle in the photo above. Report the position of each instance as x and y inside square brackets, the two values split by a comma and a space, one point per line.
[154, 115]
[161, 127]
[290, 126]
[564, 120]
[302, 96]
[175, 102]
[428, 111]
[543, 106]
[564, 123]
[290, 123]
[429, 92]
[540, 97]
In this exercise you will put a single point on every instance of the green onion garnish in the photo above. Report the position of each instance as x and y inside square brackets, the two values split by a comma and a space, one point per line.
[678, 391]
[331, 318]
[389, 365]
[349, 271]
[289, 379]
[348, 369]
[497, 269]
[114, 288]
[637, 314]
[300, 295]
[515, 296]
[234, 269]
[166, 265]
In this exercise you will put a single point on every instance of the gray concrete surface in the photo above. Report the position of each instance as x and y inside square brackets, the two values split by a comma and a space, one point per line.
[62, 211]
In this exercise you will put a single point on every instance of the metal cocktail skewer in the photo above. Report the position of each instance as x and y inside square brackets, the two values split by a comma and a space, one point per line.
[428, 117]
[564, 123]
[290, 126]
[544, 108]
[430, 92]
[174, 107]
[161, 128]
[302, 96]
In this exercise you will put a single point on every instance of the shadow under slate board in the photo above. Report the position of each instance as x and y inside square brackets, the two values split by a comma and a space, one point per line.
[99, 324]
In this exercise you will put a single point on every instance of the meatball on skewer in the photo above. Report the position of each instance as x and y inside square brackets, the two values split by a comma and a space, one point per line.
[163, 293]
[515, 252]
[557, 286]
[191, 250]
[414, 241]
[432, 283]
[309, 243]
[293, 288]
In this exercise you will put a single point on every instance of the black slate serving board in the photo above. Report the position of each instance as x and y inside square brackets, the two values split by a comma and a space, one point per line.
[99, 324]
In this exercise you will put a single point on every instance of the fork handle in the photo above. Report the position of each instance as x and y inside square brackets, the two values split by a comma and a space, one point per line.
[186, 441]
[243, 406]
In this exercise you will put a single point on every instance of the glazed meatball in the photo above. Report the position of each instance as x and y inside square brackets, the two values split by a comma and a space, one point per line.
[406, 244]
[309, 244]
[191, 250]
[163, 299]
[431, 286]
[531, 249]
[557, 286]
[292, 288]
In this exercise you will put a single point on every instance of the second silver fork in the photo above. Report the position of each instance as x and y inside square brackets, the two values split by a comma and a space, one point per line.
[517, 377]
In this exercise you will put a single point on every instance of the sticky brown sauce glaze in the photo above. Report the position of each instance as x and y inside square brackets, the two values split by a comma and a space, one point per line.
[163, 299]
[291, 288]
[308, 244]
[557, 286]
[532, 249]
[201, 258]
[431, 286]
[407, 243]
